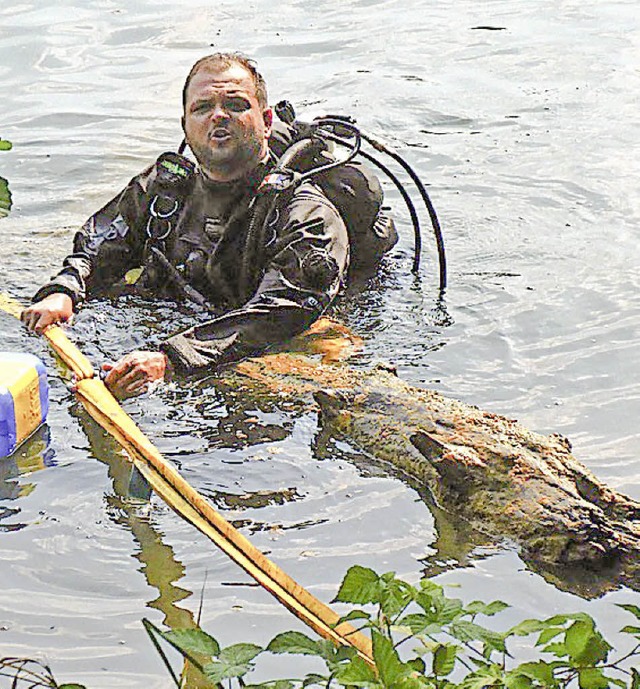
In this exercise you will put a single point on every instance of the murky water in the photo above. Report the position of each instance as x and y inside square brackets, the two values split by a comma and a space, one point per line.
[525, 129]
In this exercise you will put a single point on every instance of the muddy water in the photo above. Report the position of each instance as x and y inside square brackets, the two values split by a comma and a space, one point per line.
[523, 120]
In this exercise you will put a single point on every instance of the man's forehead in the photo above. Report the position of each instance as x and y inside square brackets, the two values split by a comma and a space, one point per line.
[233, 78]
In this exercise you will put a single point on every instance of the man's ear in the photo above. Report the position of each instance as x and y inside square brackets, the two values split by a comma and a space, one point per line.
[267, 114]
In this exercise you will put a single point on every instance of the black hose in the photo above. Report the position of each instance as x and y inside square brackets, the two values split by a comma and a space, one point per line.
[417, 250]
[379, 146]
[265, 201]
[437, 230]
[267, 198]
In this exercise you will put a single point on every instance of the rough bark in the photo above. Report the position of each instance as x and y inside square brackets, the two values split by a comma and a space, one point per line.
[482, 469]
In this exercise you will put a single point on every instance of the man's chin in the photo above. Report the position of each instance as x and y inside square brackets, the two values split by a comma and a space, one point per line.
[226, 162]
[219, 157]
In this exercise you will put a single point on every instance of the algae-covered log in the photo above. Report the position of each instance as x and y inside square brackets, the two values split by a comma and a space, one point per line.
[487, 470]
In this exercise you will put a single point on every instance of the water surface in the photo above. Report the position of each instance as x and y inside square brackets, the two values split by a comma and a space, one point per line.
[522, 117]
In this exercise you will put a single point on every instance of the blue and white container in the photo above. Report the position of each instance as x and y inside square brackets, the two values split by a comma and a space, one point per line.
[24, 399]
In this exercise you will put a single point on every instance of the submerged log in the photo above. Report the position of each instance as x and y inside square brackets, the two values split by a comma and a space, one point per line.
[482, 469]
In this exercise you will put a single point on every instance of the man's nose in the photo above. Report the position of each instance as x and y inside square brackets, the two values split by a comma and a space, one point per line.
[218, 112]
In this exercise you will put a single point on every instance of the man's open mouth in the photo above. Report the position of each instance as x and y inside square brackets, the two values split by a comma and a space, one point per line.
[220, 134]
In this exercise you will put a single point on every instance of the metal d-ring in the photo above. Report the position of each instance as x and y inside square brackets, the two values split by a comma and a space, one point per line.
[157, 215]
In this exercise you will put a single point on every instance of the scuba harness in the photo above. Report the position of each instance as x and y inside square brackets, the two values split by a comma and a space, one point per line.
[174, 173]
[305, 153]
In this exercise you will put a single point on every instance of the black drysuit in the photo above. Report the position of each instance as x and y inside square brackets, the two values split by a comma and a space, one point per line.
[298, 269]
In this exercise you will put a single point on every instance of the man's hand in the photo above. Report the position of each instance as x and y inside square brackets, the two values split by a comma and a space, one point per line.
[132, 374]
[55, 308]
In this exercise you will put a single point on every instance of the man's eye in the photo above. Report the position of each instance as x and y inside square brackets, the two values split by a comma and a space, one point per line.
[238, 105]
[201, 107]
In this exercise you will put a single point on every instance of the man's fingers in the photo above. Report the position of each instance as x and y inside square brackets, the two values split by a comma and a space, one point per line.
[39, 324]
[126, 380]
[37, 321]
[129, 385]
[28, 318]
[131, 378]
[132, 374]
[122, 376]
[137, 387]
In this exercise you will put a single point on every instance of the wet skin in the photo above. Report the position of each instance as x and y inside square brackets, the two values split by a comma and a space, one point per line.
[224, 124]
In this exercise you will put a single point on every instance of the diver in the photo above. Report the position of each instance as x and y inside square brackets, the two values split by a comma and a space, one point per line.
[262, 230]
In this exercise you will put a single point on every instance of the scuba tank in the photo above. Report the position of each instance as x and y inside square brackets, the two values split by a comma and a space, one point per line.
[351, 185]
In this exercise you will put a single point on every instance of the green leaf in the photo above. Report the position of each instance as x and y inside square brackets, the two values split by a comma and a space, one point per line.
[418, 665]
[240, 653]
[5, 198]
[585, 644]
[294, 642]
[618, 682]
[558, 649]
[7, 146]
[335, 656]
[427, 585]
[517, 681]
[477, 607]
[592, 678]
[444, 659]
[357, 673]
[483, 677]
[448, 610]
[235, 661]
[631, 630]
[275, 684]
[389, 666]
[312, 678]
[395, 595]
[419, 624]
[548, 634]
[192, 641]
[561, 619]
[360, 585]
[64, 686]
[354, 615]
[439, 608]
[539, 671]
[635, 678]
[633, 609]
[470, 631]
[527, 627]
[417, 682]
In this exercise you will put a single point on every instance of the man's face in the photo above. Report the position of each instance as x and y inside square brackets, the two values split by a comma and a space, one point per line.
[225, 126]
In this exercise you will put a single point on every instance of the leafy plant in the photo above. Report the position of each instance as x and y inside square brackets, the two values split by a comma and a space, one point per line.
[30, 674]
[5, 197]
[5, 194]
[423, 639]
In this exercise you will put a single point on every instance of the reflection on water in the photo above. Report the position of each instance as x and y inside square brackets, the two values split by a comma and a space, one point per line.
[34, 454]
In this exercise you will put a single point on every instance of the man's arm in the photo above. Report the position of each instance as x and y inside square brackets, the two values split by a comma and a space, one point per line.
[299, 283]
[104, 248]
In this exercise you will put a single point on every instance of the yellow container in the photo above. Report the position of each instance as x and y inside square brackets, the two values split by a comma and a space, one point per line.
[24, 399]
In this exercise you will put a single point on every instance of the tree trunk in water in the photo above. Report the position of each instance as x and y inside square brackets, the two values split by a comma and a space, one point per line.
[483, 470]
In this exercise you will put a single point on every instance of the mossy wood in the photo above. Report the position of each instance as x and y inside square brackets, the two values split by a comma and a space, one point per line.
[483, 470]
